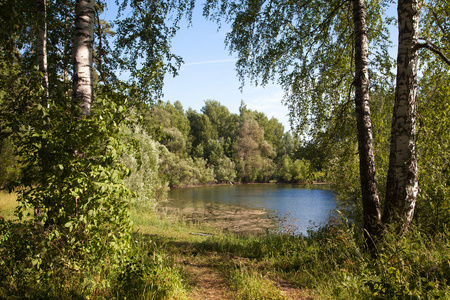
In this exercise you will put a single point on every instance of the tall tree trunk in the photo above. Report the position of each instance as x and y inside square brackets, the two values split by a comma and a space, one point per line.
[42, 47]
[369, 185]
[41, 8]
[82, 55]
[402, 181]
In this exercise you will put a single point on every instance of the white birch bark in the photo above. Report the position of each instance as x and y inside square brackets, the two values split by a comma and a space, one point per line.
[369, 185]
[42, 48]
[82, 55]
[402, 181]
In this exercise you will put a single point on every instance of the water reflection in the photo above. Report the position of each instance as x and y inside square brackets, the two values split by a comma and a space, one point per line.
[305, 206]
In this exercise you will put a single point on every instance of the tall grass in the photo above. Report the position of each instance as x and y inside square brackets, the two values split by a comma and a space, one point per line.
[149, 273]
[31, 268]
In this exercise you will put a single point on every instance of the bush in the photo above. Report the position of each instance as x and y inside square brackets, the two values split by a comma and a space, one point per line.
[72, 174]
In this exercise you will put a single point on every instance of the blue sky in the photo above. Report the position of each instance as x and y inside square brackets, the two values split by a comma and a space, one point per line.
[209, 73]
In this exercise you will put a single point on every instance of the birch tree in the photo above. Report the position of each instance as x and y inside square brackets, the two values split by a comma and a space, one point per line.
[313, 49]
[369, 185]
[83, 91]
[42, 47]
[402, 181]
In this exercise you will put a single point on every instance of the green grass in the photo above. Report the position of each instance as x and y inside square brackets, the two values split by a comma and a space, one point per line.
[8, 204]
[330, 264]
[251, 285]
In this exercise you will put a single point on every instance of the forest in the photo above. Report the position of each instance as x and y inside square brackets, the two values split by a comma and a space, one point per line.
[87, 154]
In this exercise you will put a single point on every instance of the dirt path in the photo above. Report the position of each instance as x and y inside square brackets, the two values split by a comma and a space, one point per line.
[208, 282]
[206, 270]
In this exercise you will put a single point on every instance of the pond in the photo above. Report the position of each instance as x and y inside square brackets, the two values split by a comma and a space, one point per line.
[256, 208]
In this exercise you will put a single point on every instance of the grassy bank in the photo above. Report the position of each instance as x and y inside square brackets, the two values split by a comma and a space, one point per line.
[174, 259]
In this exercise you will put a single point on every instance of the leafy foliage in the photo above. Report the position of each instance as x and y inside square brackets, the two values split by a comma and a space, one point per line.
[72, 175]
[143, 159]
[433, 147]
[143, 40]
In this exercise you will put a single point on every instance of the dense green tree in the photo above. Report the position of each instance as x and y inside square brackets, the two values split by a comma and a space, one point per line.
[273, 130]
[178, 171]
[213, 152]
[168, 124]
[201, 128]
[225, 170]
[288, 145]
[219, 116]
[253, 152]
[144, 159]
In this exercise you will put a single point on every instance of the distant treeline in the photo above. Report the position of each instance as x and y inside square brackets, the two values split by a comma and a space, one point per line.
[214, 146]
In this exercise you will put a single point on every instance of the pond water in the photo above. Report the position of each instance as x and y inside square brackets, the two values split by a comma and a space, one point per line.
[256, 207]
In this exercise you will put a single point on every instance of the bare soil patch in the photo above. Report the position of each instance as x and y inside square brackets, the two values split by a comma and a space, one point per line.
[228, 218]
[207, 282]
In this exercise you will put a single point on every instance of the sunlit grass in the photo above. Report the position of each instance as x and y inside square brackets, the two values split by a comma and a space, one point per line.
[251, 285]
[8, 203]
[149, 222]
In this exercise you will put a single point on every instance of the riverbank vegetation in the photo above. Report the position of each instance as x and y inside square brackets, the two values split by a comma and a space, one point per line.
[88, 158]
[170, 258]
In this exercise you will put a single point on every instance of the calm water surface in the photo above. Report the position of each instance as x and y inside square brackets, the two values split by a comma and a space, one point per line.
[305, 207]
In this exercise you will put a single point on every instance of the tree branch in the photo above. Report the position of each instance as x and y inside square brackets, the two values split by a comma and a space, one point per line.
[433, 48]
[435, 16]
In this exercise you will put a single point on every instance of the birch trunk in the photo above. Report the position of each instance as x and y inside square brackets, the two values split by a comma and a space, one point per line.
[369, 185]
[42, 48]
[402, 181]
[82, 55]
[41, 8]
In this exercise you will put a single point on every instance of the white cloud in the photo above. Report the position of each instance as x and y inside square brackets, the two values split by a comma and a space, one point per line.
[269, 102]
[210, 62]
